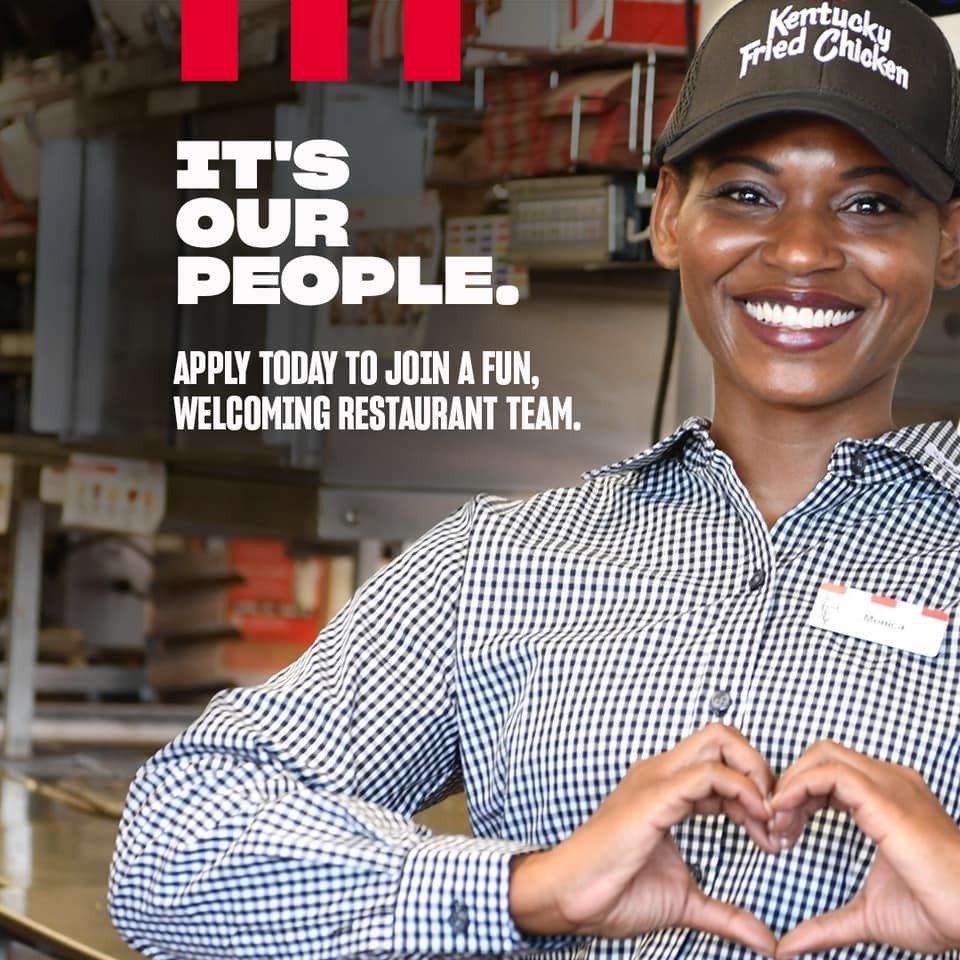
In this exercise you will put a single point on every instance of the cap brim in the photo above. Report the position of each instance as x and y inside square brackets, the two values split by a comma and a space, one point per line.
[913, 163]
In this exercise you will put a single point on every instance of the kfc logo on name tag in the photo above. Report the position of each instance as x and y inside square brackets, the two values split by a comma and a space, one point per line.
[867, 616]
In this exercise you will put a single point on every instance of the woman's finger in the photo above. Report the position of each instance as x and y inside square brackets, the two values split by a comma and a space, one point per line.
[793, 819]
[738, 753]
[835, 784]
[823, 752]
[728, 921]
[755, 829]
[727, 745]
[679, 795]
[839, 928]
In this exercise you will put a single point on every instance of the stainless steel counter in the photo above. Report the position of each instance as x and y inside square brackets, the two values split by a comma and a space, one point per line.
[54, 859]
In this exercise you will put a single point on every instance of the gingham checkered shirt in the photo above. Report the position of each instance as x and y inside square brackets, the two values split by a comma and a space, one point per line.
[532, 650]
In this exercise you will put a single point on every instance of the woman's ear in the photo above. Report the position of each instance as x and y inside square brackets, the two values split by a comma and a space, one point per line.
[671, 189]
[948, 257]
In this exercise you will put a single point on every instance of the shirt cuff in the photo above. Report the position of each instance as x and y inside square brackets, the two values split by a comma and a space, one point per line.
[454, 899]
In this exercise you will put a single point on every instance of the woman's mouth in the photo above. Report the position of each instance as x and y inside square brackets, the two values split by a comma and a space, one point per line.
[799, 318]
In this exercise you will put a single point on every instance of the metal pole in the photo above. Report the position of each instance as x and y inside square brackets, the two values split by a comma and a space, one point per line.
[369, 554]
[633, 140]
[648, 109]
[24, 624]
[575, 129]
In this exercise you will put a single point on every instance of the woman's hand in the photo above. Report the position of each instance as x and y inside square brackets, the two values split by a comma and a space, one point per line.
[911, 898]
[620, 874]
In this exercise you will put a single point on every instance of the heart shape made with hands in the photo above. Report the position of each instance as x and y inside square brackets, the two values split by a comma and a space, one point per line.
[911, 894]
[620, 874]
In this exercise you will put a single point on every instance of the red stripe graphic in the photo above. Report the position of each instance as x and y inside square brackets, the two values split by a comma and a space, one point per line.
[318, 40]
[431, 38]
[936, 614]
[883, 601]
[210, 40]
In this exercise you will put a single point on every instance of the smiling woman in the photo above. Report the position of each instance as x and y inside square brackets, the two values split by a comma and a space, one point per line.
[791, 570]
[807, 205]
[808, 266]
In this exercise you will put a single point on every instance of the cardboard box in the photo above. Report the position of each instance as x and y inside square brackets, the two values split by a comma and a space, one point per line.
[542, 136]
[193, 613]
[634, 23]
[186, 569]
[278, 628]
[273, 582]
[514, 129]
[526, 28]
[215, 664]
[234, 616]
[191, 594]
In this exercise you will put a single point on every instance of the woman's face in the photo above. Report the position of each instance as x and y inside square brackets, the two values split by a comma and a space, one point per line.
[807, 262]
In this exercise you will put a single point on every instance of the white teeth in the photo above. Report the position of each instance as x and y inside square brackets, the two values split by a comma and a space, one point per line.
[802, 318]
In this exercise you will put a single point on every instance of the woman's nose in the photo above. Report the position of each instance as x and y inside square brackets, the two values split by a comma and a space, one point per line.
[803, 241]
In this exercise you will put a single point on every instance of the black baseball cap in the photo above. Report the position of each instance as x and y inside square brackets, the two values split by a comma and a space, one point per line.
[881, 67]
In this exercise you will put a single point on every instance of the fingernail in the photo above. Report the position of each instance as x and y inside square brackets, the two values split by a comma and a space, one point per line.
[784, 844]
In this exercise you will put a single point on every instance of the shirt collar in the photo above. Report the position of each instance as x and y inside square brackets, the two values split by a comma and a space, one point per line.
[934, 446]
[692, 435]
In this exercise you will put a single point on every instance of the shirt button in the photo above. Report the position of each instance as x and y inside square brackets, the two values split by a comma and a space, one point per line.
[757, 580]
[858, 465]
[696, 874]
[720, 702]
[459, 917]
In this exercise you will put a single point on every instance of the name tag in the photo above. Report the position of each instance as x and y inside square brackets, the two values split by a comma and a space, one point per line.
[866, 616]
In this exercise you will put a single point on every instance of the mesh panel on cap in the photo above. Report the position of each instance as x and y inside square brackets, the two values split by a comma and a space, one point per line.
[678, 117]
[953, 131]
[686, 93]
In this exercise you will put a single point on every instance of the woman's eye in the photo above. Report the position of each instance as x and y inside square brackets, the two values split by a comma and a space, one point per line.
[872, 206]
[751, 196]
